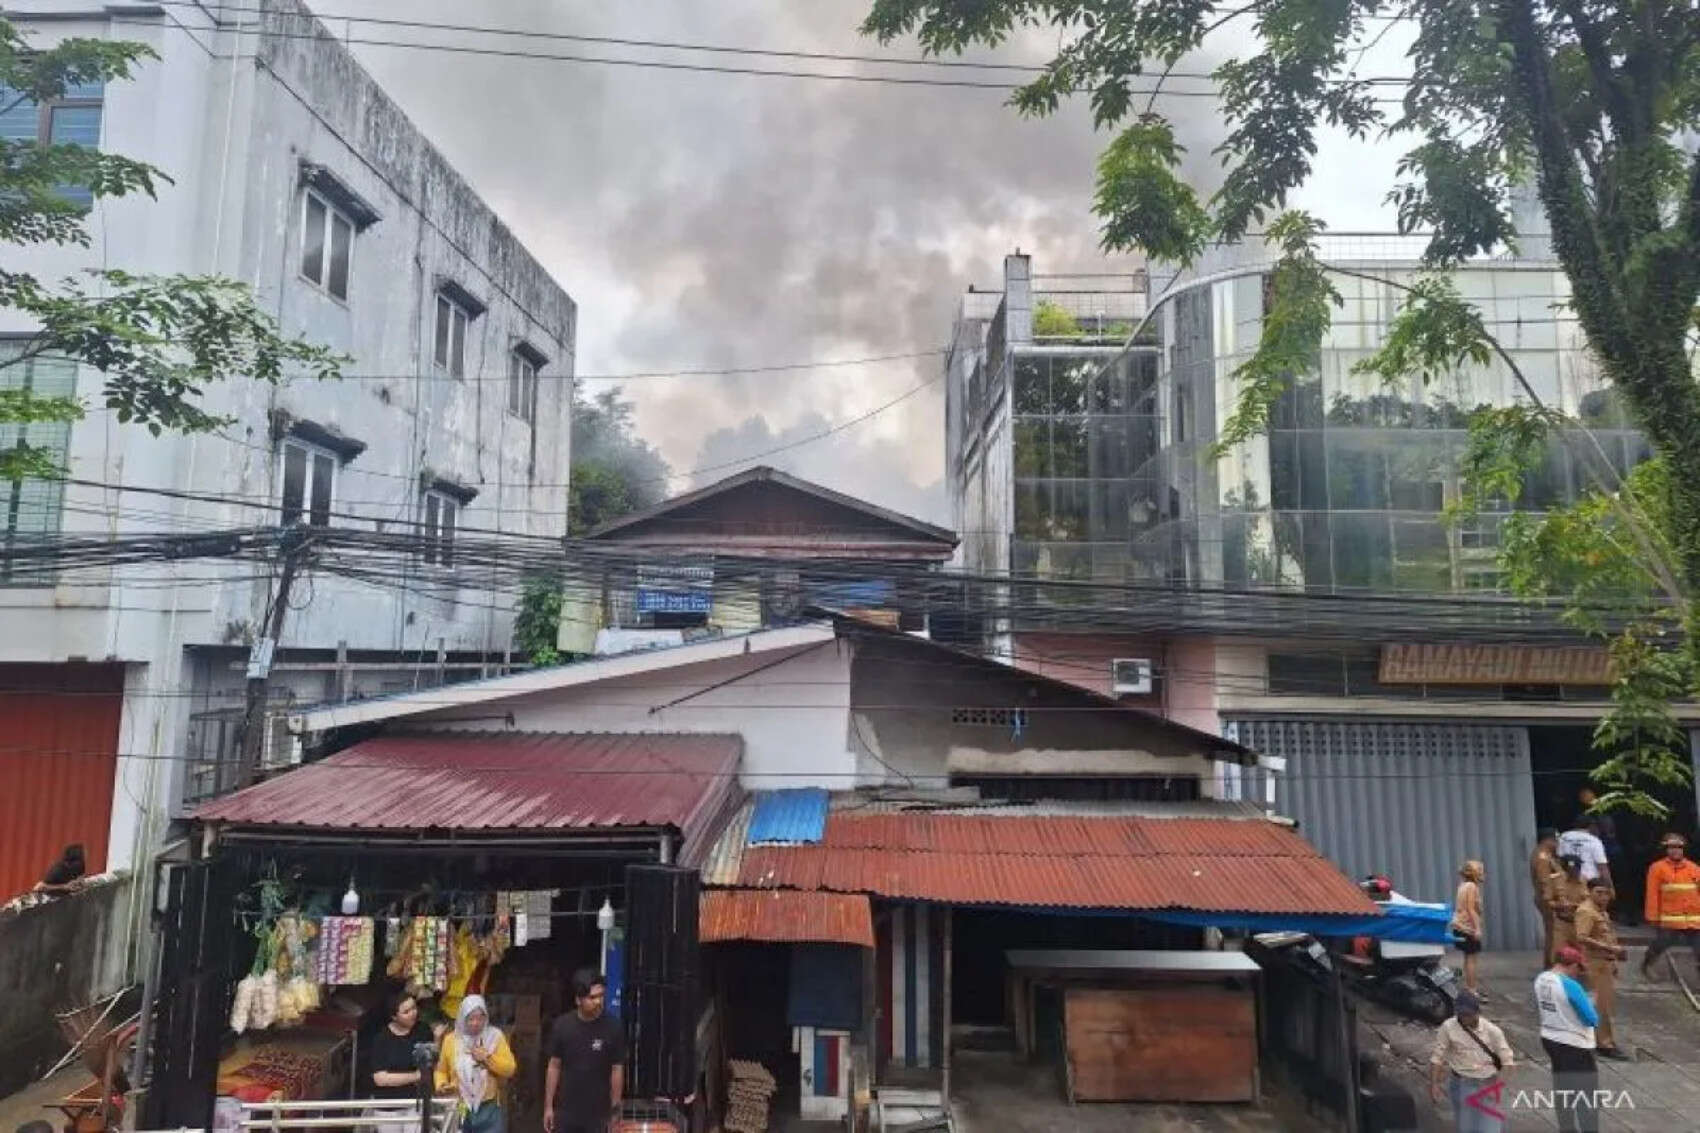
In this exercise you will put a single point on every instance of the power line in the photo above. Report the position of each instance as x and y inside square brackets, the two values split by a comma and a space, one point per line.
[702, 68]
[934, 62]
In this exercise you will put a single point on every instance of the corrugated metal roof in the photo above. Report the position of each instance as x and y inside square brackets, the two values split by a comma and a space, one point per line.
[1207, 865]
[791, 816]
[498, 781]
[786, 915]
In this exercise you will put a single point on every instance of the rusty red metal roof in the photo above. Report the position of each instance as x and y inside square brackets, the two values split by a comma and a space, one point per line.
[1200, 864]
[785, 915]
[499, 782]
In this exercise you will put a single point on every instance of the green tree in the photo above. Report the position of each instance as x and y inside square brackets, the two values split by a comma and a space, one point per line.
[614, 472]
[1590, 100]
[157, 341]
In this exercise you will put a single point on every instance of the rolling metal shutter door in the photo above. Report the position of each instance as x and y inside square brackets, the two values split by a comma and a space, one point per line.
[1412, 801]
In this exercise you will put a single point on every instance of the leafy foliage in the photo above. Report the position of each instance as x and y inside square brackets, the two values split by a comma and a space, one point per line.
[158, 341]
[614, 471]
[537, 620]
[1595, 103]
[1301, 295]
[1143, 201]
[1051, 321]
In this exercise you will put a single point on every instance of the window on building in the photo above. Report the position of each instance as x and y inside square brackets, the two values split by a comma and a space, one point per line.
[523, 365]
[30, 509]
[441, 511]
[73, 119]
[450, 352]
[327, 245]
[309, 480]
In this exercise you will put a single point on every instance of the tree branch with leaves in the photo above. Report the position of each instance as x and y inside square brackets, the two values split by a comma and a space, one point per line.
[157, 341]
[1593, 103]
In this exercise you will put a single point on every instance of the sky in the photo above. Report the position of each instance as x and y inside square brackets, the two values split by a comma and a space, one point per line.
[716, 221]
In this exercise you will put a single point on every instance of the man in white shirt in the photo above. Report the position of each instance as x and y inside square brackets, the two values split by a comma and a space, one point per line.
[1582, 840]
[1468, 1057]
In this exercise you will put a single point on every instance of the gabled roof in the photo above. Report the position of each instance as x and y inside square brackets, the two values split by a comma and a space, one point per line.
[898, 523]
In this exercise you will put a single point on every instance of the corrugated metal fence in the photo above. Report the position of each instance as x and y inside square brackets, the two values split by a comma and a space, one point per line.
[60, 729]
[1412, 801]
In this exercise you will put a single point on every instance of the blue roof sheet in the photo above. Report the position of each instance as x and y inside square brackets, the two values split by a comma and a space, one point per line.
[792, 816]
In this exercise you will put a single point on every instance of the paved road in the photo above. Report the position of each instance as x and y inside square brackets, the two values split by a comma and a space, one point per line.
[1655, 1023]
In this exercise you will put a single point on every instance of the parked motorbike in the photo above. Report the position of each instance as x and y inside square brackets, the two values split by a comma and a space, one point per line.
[1412, 979]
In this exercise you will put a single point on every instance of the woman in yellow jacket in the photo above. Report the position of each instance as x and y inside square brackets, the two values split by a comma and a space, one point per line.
[475, 1062]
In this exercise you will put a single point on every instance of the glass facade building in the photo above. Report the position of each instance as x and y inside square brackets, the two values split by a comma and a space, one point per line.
[1077, 462]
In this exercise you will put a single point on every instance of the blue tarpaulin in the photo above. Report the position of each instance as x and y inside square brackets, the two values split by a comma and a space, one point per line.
[1409, 924]
[791, 817]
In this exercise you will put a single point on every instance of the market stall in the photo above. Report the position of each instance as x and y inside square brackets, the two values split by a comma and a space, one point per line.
[311, 904]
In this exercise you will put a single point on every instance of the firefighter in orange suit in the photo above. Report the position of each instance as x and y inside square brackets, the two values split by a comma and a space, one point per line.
[1673, 902]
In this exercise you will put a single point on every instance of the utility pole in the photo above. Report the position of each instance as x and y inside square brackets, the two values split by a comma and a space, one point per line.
[293, 547]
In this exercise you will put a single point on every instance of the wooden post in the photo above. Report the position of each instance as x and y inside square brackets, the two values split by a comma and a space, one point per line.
[949, 941]
[1347, 1046]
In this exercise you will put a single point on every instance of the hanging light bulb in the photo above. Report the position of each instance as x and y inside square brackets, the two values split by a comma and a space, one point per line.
[350, 900]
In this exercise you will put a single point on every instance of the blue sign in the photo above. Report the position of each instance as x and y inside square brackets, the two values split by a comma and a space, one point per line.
[675, 589]
[674, 601]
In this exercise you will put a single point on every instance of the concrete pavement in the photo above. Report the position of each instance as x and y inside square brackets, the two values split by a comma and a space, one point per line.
[1659, 1091]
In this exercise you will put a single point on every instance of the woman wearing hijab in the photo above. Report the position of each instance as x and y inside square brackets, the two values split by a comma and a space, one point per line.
[474, 1062]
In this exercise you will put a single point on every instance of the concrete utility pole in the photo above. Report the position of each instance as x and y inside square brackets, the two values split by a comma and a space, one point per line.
[293, 548]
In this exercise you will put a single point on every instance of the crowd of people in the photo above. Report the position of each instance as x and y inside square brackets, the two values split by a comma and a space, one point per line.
[1576, 991]
[471, 1062]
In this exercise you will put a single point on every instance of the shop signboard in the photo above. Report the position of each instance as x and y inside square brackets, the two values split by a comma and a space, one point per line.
[1408, 663]
[675, 589]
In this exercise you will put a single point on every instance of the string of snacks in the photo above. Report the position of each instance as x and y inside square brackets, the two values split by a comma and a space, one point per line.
[344, 955]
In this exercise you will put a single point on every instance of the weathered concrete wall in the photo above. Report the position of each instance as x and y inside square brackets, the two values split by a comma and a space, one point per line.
[903, 705]
[231, 115]
[54, 956]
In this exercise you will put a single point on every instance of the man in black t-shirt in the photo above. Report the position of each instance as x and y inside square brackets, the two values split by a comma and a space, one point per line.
[587, 1062]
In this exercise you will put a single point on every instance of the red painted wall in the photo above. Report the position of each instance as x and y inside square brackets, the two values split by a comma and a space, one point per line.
[58, 756]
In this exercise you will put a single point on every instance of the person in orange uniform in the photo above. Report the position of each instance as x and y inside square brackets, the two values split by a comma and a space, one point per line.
[1673, 902]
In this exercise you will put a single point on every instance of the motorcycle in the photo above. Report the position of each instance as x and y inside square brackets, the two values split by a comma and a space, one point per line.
[1411, 978]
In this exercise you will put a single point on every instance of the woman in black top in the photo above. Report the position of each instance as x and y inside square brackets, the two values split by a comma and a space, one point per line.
[394, 1074]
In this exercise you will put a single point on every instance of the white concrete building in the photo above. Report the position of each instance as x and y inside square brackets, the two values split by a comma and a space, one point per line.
[293, 172]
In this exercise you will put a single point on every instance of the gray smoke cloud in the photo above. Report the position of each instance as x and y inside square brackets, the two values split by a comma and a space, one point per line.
[717, 220]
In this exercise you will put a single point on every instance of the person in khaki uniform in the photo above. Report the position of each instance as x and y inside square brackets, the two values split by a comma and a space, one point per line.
[1566, 893]
[1597, 939]
[1543, 868]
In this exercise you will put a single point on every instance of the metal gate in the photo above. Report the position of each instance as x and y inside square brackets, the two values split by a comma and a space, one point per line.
[1412, 801]
[192, 996]
[661, 981]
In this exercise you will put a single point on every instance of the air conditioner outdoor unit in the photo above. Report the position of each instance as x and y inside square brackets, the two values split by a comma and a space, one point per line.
[281, 748]
[1130, 676]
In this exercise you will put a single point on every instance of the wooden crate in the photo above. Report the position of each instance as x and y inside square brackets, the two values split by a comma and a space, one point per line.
[1161, 1044]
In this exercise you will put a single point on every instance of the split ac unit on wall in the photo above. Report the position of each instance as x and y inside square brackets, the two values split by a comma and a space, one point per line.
[1130, 676]
[281, 748]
